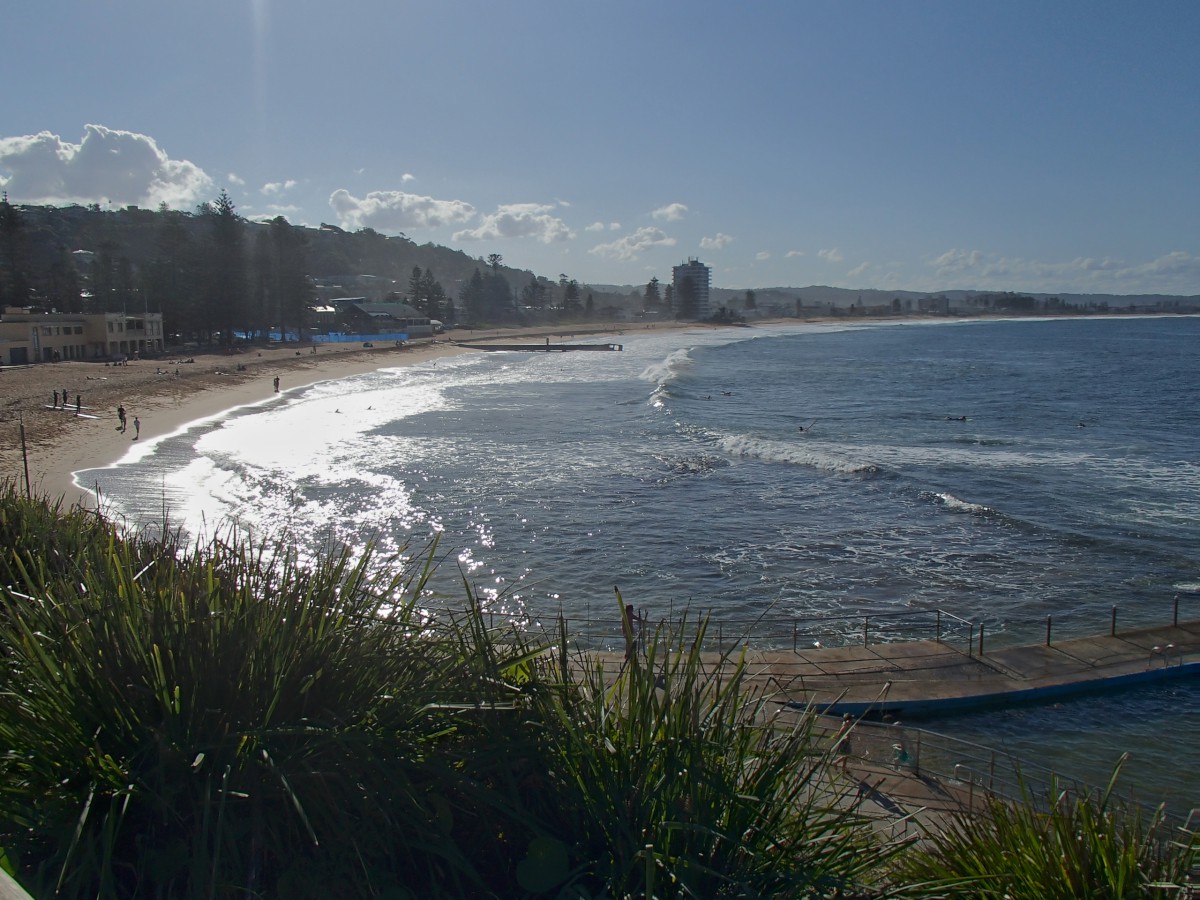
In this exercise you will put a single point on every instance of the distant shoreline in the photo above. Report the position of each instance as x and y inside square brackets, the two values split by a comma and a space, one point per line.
[59, 444]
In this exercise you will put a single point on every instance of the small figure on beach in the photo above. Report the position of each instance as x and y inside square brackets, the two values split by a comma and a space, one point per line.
[121, 417]
[78, 403]
[56, 399]
[842, 740]
[137, 428]
[277, 384]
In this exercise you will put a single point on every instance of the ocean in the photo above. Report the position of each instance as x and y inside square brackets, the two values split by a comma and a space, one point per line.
[1000, 470]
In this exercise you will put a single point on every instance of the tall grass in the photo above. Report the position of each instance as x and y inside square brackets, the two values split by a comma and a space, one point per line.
[1059, 845]
[670, 779]
[223, 721]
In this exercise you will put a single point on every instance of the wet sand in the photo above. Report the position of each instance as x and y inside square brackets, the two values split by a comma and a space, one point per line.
[167, 393]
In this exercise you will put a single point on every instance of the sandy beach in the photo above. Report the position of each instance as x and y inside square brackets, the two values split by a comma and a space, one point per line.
[165, 394]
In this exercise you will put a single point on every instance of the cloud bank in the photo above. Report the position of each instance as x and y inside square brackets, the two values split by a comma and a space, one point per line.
[672, 212]
[397, 211]
[633, 245]
[106, 166]
[519, 220]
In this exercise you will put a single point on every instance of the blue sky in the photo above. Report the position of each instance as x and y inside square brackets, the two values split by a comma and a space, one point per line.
[1005, 145]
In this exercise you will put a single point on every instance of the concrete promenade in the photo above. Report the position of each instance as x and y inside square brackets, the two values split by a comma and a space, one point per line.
[927, 677]
[914, 678]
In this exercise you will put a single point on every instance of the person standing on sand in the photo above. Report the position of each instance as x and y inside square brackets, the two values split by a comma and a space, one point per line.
[277, 384]
[121, 417]
[56, 399]
[78, 403]
[137, 428]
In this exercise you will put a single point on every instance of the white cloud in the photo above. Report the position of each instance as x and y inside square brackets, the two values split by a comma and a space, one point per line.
[859, 271]
[762, 255]
[630, 246]
[119, 167]
[397, 211]
[793, 253]
[277, 187]
[595, 226]
[518, 220]
[672, 212]
[954, 261]
[716, 243]
[831, 256]
[407, 177]
[233, 178]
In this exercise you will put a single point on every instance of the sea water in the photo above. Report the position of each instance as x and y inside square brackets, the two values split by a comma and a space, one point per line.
[1003, 471]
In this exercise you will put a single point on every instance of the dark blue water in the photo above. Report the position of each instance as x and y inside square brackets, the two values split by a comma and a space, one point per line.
[1002, 471]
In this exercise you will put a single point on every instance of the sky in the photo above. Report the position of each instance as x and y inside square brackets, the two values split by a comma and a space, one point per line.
[1048, 147]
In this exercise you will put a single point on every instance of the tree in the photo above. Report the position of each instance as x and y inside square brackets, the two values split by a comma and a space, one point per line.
[493, 261]
[571, 298]
[63, 290]
[534, 294]
[668, 298]
[415, 282]
[651, 298]
[472, 298]
[751, 300]
[224, 298]
[14, 277]
[432, 294]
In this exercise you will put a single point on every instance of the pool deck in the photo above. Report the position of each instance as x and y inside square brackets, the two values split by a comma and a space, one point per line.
[923, 678]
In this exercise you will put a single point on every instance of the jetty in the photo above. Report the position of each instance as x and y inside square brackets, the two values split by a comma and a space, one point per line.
[537, 348]
[923, 678]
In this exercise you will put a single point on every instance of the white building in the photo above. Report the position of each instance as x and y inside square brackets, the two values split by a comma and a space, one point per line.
[694, 277]
[33, 337]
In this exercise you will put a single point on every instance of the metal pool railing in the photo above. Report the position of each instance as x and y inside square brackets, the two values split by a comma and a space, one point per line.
[798, 633]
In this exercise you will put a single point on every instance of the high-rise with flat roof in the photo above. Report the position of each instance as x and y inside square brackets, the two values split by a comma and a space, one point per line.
[691, 282]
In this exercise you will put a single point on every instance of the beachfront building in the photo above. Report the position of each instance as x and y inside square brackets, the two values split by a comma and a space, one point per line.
[28, 337]
[692, 282]
[383, 318]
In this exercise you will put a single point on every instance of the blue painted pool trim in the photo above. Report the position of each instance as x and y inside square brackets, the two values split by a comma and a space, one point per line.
[1047, 694]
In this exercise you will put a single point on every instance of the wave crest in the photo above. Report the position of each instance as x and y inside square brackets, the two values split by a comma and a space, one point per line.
[795, 454]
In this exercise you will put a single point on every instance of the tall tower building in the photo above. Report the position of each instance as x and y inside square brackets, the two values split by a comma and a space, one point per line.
[692, 282]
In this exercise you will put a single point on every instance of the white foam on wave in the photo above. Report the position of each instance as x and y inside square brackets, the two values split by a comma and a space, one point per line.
[795, 454]
[951, 502]
[664, 371]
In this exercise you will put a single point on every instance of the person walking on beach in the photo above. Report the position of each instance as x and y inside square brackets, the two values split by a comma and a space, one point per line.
[277, 384]
[78, 403]
[121, 417]
[137, 428]
[56, 399]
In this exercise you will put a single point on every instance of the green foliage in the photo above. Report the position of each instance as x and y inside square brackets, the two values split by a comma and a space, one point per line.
[671, 780]
[225, 721]
[1062, 845]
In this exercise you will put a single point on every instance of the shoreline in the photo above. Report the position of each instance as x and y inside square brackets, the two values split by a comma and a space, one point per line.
[168, 396]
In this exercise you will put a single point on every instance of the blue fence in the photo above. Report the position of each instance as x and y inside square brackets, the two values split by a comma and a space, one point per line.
[340, 338]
